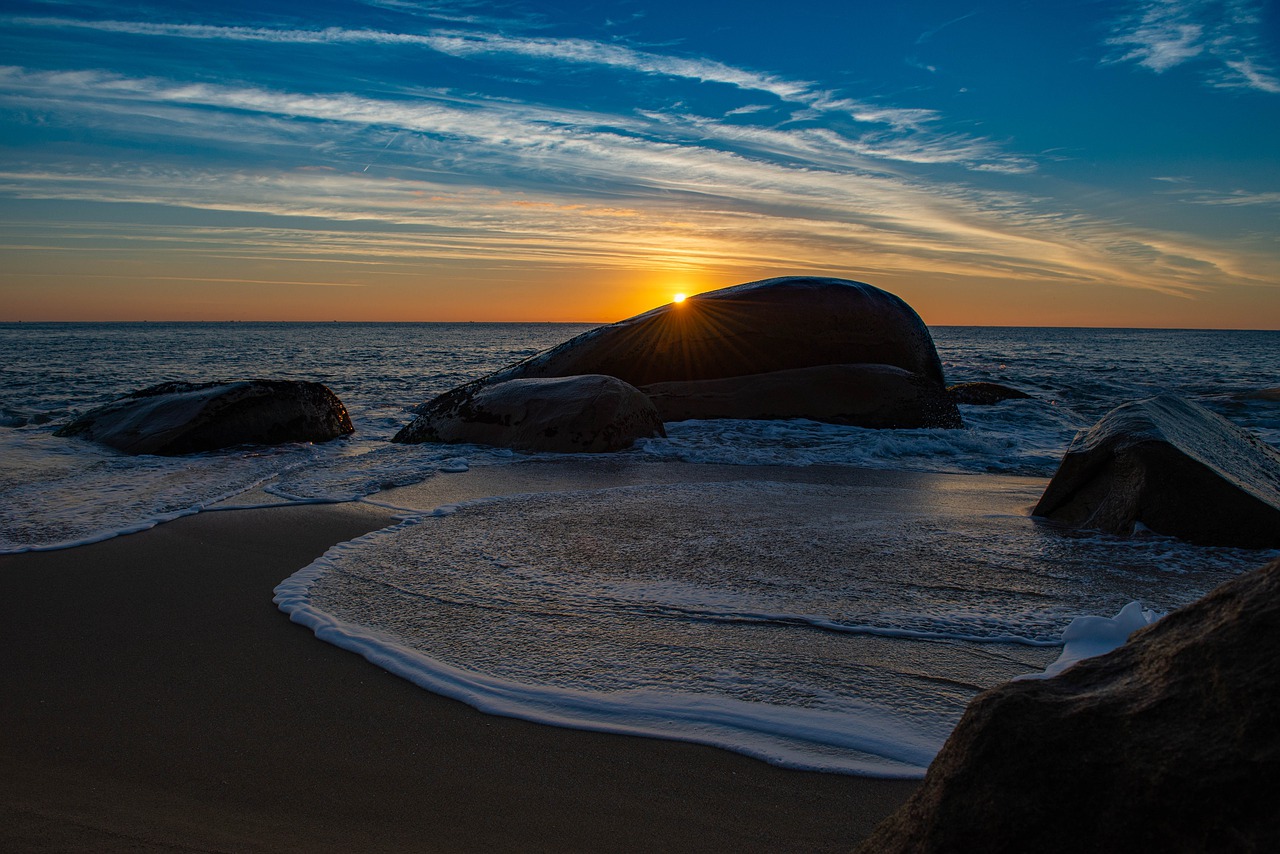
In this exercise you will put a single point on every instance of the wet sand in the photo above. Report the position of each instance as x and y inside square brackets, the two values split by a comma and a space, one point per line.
[156, 700]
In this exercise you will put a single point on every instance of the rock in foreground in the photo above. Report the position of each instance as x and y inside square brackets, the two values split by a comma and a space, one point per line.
[1169, 743]
[756, 328]
[186, 418]
[590, 413]
[879, 396]
[1176, 468]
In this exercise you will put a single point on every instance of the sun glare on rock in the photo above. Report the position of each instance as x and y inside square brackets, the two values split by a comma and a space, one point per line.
[678, 298]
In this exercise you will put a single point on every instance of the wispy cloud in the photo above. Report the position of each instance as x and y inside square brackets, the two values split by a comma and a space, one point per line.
[1239, 198]
[1225, 36]
[567, 50]
[741, 217]
[387, 180]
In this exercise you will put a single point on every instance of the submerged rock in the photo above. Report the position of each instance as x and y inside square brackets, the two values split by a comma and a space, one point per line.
[186, 418]
[1169, 743]
[861, 395]
[1176, 468]
[984, 394]
[590, 413]
[1271, 395]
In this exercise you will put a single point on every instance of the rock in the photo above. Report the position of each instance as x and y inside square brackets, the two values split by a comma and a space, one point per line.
[1271, 395]
[1169, 743]
[1176, 468]
[751, 330]
[862, 395]
[984, 394]
[186, 418]
[756, 328]
[592, 413]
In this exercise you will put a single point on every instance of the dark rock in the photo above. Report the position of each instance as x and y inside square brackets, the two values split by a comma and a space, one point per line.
[591, 413]
[862, 395]
[185, 418]
[984, 394]
[756, 328]
[1271, 395]
[1169, 743]
[1175, 467]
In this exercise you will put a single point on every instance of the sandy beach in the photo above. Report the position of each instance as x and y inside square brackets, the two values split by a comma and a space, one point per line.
[156, 700]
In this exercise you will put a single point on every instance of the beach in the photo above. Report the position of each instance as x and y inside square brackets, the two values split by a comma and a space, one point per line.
[821, 596]
[156, 700]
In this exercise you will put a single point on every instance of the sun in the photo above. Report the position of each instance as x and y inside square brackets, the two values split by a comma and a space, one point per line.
[678, 298]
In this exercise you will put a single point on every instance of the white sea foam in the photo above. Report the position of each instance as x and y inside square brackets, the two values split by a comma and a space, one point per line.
[1090, 636]
[987, 444]
[804, 624]
[59, 493]
[381, 370]
[812, 625]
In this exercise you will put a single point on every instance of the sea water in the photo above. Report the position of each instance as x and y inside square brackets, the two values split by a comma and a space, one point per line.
[813, 617]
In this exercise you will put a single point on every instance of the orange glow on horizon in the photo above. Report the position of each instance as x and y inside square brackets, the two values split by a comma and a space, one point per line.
[136, 290]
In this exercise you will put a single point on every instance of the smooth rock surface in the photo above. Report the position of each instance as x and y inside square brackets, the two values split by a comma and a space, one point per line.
[1176, 468]
[880, 396]
[759, 328]
[186, 418]
[591, 413]
[754, 328]
[984, 394]
[1169, 743]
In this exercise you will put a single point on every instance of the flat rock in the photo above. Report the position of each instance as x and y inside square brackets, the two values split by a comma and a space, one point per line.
[880, 396]
[984, 394]
[1169, 743]
[186, 418]
[754, 328]
[591, 413]
[1176, 468]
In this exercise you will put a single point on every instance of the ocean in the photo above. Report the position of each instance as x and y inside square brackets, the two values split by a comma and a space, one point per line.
[818, 596]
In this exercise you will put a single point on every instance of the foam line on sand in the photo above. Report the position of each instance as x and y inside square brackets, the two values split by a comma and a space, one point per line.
[155, 699]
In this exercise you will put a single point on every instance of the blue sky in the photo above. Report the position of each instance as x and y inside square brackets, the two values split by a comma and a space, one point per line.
[1052, 163]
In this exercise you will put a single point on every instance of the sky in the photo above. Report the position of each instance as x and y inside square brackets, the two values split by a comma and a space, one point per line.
[1030, 163]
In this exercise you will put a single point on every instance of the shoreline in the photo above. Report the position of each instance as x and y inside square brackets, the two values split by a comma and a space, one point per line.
[158, 700]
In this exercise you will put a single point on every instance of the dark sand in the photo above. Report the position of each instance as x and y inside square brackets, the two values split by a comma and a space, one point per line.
[154, 699]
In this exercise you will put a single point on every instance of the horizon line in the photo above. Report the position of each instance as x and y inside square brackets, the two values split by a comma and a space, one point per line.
[611, 322]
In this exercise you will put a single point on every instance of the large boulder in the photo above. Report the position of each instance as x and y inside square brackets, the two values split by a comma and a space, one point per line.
[1169, 743]
[186, 418]
[756, 328]
[591, 413]
[861, 395]
[1176, 468]
[753, 330]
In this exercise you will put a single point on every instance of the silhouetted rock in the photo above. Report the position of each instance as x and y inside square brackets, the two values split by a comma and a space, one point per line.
[1169, 743]
[862, 395]
[984, 394]
[185, 418]
[756, 328]
[1176, 468]
[563, 414]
